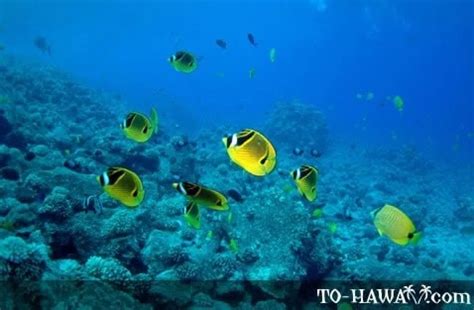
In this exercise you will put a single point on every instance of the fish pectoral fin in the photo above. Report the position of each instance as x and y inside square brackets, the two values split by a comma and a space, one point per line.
[380, 232]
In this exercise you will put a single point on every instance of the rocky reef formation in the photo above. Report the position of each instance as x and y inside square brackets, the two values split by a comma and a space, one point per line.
[298, 125]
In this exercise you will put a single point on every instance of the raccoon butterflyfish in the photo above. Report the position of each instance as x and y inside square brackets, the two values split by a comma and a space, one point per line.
[306, 179]
[398, 103]
[202, 196]
[123, 185]
[396, 225]
[183, 61]
[191, 215]
[250, 150]
[139, 127]
[273, 55]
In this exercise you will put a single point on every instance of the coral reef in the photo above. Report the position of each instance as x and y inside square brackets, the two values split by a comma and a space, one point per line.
[284, 124]
[55, 223]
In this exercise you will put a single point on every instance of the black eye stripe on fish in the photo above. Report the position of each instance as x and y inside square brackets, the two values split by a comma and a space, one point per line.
[101, 180]
[228, 141]
[135, 192]
[145, 129]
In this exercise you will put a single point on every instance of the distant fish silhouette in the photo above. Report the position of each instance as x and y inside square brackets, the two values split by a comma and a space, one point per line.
[221, 43]
[42, 44]
[251, 39]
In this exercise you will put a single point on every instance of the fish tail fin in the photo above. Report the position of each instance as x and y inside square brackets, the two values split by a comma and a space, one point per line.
[154, 119]
[416, 238]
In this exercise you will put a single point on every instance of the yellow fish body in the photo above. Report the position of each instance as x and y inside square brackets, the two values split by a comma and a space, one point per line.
[192, 216]
[202, 196]
[396, 225]
[250, 150]
[139, 127]
[123, 185]
[183, 61]
[306, 179]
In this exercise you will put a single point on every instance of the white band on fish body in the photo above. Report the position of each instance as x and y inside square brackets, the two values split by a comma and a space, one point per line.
[181, 188]
[234, 140]
[106, 178]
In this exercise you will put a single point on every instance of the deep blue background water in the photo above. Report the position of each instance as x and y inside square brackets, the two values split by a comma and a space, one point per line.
[420, 50]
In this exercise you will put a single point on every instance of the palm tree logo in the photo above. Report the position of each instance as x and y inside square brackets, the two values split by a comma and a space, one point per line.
[409, 292]
[424, 293]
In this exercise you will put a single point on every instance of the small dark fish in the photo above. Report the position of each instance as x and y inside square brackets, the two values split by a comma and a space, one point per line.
[42, 44]
[251, 39]
[235, 195]
[221, 43]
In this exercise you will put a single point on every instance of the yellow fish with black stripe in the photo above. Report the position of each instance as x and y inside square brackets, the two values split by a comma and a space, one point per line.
[252, 151]
[183, 61]
[202, 196]
[191, 215]
[139, 127]
[306, 179]
[123, 185]
[396, 225]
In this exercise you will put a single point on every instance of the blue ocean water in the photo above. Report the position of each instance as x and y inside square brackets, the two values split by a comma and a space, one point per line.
[326, 54]
[326, 100]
